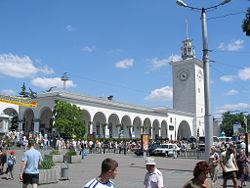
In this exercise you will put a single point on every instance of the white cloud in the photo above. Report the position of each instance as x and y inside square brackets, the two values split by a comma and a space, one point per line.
[20, 67]
[244, 74]
[46, 70]
[51, 82]
[114, 52]
[157, 63]
[232, 107]
[227, 78]
[233, 46]
[9, 92]
[124, 64]
[70, 28]
[88, 49]
[160, 95]
[232, 92]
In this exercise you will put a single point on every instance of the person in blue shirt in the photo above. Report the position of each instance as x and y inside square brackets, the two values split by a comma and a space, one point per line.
[31, 159]
[109, 171]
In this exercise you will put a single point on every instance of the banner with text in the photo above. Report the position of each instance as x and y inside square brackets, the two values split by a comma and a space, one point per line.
[18, 101]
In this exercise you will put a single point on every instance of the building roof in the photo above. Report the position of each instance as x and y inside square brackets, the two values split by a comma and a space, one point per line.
[98, 101]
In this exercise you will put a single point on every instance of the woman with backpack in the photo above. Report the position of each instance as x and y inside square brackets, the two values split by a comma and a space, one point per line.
[11, 161]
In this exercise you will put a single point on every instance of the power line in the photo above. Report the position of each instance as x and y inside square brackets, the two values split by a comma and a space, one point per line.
[110, 84]
[226, 15]
[226, 51]
[238, 84]
[228, 65]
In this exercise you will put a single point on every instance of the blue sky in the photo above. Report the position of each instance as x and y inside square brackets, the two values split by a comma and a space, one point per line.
[121, 48]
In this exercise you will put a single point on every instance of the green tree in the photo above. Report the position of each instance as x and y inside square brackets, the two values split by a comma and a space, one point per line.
[68, 119]
[14, 122]
[246, 23]
[24, 93]
[230, 119]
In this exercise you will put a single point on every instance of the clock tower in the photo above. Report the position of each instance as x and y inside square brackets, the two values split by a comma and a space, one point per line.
[188, 86]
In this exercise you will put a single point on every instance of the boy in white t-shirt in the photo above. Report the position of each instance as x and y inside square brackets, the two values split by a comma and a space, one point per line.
[109, 171]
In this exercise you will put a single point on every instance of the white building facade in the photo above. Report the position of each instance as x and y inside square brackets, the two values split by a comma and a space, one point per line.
[108, 118]
[113, 119]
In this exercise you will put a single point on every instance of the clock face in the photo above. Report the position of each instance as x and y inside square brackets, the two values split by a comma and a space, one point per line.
[199, 75]
[183, 75]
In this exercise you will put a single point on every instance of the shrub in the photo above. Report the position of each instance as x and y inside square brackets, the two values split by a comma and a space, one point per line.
[47, 163]
[71, 153]
[55, 152]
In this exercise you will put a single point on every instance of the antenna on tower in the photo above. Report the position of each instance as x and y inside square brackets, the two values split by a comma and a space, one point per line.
[186, 24]
[64, 78]
[172, 57]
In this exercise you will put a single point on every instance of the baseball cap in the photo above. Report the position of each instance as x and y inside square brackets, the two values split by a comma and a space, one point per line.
[150, 161]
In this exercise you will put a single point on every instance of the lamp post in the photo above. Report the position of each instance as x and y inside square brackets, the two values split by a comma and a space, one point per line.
[207, 96]
[246, 135]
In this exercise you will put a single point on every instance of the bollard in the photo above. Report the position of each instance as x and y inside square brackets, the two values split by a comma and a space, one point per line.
[65, 172]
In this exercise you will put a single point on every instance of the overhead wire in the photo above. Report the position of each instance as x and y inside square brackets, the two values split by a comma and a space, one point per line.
[223, 73]
[226, 15]
[109, 84]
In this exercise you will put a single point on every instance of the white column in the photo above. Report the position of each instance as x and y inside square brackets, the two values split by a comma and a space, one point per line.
[142, 130]
[131, 130]
[36, 126]
[159, 131]
[152, 132]
[118, 131]
[90, 127]
[106, 131]
[20, 126]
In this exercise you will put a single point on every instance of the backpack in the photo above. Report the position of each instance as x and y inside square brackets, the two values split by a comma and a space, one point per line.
[10, 160]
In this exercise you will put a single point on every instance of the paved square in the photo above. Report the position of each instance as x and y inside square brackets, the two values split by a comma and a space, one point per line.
[131, 171]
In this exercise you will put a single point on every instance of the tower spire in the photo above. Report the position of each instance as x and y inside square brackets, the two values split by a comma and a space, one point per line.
[187, 33]
[187, 49]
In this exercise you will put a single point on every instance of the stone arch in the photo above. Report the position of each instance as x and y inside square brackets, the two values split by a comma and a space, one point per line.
[28, 121]
[113, 123]
[46, 120]
[147, 127]
[126, 126]
[87, 121]
[156, 128]
[184, 130]
[99, 122]
[10, 111]
[12, 115]
[137, 124]
[164, 129]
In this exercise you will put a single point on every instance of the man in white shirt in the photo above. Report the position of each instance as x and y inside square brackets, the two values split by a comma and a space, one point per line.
[153, 177]
[229, 166]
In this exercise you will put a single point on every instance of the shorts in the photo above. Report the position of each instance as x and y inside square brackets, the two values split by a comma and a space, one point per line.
[229, 175]
[9, 169]
[30, 178]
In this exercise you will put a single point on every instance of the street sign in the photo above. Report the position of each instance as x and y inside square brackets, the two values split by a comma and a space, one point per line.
[18, 101]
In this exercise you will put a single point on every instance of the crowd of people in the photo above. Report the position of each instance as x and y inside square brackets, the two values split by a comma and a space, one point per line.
[234, 163]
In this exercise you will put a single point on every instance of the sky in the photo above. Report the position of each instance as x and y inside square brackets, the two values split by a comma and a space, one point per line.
[122, 48]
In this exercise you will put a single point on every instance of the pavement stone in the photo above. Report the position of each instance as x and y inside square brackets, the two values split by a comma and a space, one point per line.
[131, 171]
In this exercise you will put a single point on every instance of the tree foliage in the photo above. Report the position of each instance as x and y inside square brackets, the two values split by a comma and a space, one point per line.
[24, 93]
[229, 119]
[14, 122]
[246, 23]
[68, 119]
